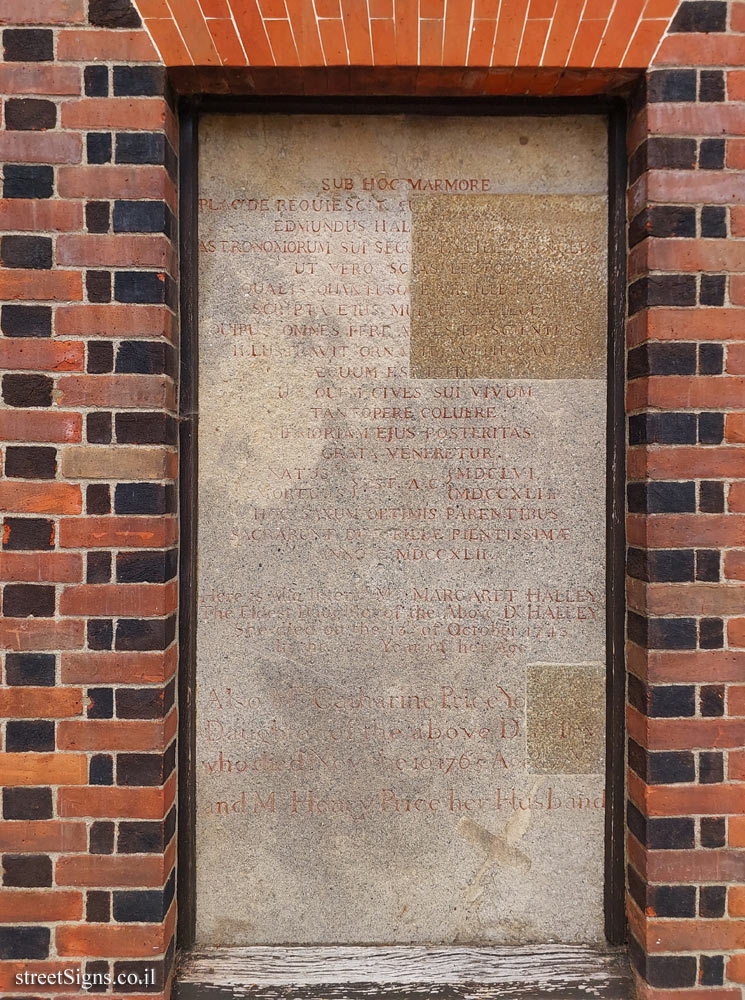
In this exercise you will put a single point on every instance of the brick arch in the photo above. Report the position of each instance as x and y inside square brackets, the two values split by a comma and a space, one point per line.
[555, 34]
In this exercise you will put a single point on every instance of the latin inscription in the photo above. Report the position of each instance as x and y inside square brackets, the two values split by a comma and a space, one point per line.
[401, 508]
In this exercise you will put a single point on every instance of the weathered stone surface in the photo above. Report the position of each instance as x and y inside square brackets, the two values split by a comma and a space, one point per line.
[565, 718]
[383, 555]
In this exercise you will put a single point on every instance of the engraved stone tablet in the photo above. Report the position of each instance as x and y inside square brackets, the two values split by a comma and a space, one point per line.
[401, 529]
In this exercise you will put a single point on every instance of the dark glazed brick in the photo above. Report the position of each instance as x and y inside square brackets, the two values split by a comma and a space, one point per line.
[24, 942]
[711, 698]
[98, 146]
[146, 428]
[712, 900]
[714, 222]
[670, 85]
[663, 222]
[29, 736]
[661, 498]
[101, 703]
[672, 701]
[30, 669]
[671, 972]
[670, 834]
[662, 290]
[661, 565]
[97, 907]
[97, 216]
[144, 703]
[145, 907]
[27, 803]
[710, 768]
[141, 287]
[711, 154]
[100, 357]
[662, 428]
[28, 45]
[701, 16]
[102, 838]
[28, 600]
[711, 633]
[26, 321]
[711, 497]
[98, 428]
[100, 632]
[32, 252]
[145, 768]
[98, 286]
[713, 831]
[143, 357]
[101, 770]
[708, 566]
[28, 534]
[144, 498]
[96, 79]
[143, 217]
[711, 85]
[145, 633]
[21, 180]
[30, 463]
[139, 81]
[672, 900]
[664, 767]
[710, 428]
[146, 567]
[658, 153]
[29, 114]
[27, 390]
[712, 970]
[662, 359]
[27, 871]
[98, 499]
[141, 837]
[662, 633]
[147, 147]
[713, 287]
[98, 568]
[710, 360]
[113, 14]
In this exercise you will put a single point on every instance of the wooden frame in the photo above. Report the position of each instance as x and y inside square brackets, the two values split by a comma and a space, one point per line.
[190, 110]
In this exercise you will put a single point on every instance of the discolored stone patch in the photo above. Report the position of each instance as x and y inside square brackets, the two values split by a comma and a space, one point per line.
[565, 718]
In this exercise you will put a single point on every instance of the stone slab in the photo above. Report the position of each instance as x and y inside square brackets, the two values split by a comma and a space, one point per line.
[383, 551]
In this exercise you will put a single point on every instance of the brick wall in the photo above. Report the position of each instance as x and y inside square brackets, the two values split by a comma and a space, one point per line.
[686, 521]
[88, 432]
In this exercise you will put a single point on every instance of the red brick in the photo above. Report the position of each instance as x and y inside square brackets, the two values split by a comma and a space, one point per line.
[36, 425]
[137, 803]
[717, 865]
[119, 668]
[736, 699]
[132, 600]
[684, 530]
[679, 667]
[40, 703]
[735, 968]
[102, 941]
[147, 113]
[736, 497]
[35, 353]
[42, 12]
[685, 324]
[102, 45]
[40, 215]
[675, 392]
[735, 364]
[40, 633]
[105, 734]
[736, 632]
[737, 16]
[116, 390]
[696, 119]
[685, 734]
[44, 768]
[118, 532]
[688, 800]
[736, 765]
[735, 160]
[701, 50]
[116, 251]
[29, 906]
[109, 871]
[686, 462]
[115, 321]
[40, 78]
[41, 147]
[50, 286]
[41, 567]
[736, 900]
[715, 187]
[30, 836]
[734, 565]
[137, 182]
[669, 598]
[40, 497]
